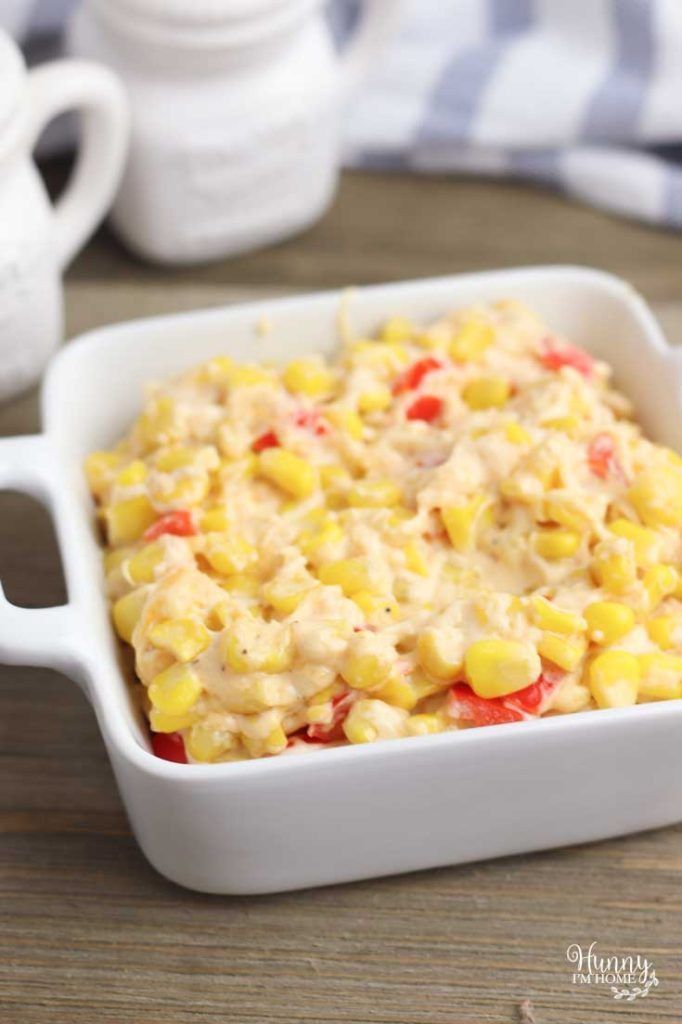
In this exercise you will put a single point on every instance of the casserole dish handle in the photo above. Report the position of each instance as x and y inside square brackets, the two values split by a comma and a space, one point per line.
[35, 636]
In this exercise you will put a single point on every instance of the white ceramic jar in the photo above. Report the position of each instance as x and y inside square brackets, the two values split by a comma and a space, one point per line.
[235, 116]
[15, 16]
[37, 240]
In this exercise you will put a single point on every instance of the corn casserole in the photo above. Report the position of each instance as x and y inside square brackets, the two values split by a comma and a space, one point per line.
[447, 526]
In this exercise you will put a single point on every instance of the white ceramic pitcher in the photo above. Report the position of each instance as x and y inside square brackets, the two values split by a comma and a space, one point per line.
[235, 115]
[37, 240]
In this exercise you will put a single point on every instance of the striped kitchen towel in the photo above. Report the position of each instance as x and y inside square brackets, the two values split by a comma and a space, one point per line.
[582, 95]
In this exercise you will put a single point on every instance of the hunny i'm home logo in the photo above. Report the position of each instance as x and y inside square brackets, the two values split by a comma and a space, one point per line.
[628, 977]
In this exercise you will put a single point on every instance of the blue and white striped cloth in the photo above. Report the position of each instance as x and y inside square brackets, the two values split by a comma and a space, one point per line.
[581, 95]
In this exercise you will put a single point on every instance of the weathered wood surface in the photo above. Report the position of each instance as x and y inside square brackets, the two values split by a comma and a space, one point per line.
[90, 933]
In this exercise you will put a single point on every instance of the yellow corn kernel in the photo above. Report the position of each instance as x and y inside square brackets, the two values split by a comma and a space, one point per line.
[157, 425]
[332, 477]
[571, 696]
[460, 521]
[565, 514]
[189, 490]
[132, 474]
[657, 497]
[495, 668]
[228, 555]
[319, 713]
[249, 376]
[522, 488]
[286, 595]
[565, 424]
[608, 621]
[646, 542]
[312, 541]
[275, 741]
[126, 613]
[245, 583]
[374, 494]
[425, 725]
[255, 648]
[614, 678]
[351, 574]
[160, 721]
[215, 520]
[374, 401]
[672, 456]
[325, 695]
[473, 338]
[425, 685]
[556, 544]
[660, 581]
[486, 393]
[206, 744]
[175, 690]
[177, 457]
[664, 630]
[556, 620]
[396, 328]
[437, 336]
[414, 558]
[184, 638]
[127, 520]
[399, 515]
[398, 692]
[346, 420]
[661, 677]
[357, 727]
[113, 559]
[366, 671]
[440, 652]
[369, 353]
[99, 470]
[562, 651]
[308, 377]
[293, 474]
[516, 434]
[216, 369]
[142, 564]
[616, 573]
[377, 607]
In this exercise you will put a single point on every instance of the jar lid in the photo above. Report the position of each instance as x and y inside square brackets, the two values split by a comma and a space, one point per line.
[206, 21]
[13, 78]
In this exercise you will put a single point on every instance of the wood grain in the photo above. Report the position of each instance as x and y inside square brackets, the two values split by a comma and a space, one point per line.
[90, 933]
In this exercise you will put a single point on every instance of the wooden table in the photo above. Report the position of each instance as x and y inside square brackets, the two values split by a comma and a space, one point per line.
[92, 934]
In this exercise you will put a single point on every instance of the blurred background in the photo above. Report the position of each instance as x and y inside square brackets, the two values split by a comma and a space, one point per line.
[581, 96]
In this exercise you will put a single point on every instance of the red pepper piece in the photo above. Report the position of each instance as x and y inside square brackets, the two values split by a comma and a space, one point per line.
[532, 699]
[266, 440]
[169, 746]
[332, 731]
[555, 356]
[602, 458]
[180, 524]
[310, 419]
[412, 377]
[467, 706]
[427, 408]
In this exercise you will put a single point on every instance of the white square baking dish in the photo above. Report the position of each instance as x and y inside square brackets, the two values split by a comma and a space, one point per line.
[353, 812]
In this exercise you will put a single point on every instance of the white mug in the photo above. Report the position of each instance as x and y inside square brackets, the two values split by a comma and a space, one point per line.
[38, 240]
[236, 116]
